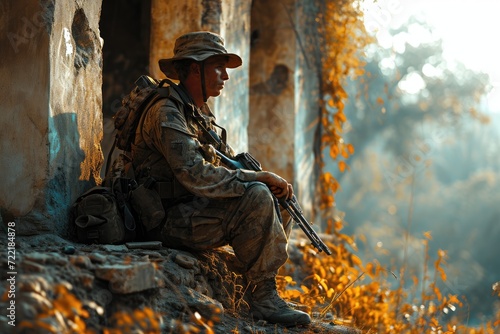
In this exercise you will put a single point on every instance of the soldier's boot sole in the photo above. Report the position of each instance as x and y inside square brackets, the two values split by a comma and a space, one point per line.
[288, 318]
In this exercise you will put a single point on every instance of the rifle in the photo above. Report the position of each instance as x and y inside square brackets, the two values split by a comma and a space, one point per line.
[247, 161]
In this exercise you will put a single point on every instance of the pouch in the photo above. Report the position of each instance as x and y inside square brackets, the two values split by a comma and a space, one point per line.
[147, 204]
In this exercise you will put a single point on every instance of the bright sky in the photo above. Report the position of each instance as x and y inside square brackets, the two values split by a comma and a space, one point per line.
[468, 28]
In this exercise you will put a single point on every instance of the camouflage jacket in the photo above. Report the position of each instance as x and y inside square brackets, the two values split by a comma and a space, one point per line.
[171, 146]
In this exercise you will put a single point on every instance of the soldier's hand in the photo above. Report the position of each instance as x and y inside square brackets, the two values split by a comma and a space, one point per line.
[278, 185]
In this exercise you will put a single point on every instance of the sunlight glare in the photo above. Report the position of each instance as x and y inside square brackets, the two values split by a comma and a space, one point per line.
[467, 29]
[431, 71]
[412, 83]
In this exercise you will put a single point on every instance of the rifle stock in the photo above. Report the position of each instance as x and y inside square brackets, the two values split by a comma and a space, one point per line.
[247, 161]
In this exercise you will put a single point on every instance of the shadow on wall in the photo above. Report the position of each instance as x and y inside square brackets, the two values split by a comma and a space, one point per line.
[48, 202]
[65, 162]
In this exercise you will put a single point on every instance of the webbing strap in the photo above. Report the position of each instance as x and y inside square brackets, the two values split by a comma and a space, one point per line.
[211, 135]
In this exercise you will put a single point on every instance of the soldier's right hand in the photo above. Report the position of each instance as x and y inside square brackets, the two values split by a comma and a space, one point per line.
[278, 185]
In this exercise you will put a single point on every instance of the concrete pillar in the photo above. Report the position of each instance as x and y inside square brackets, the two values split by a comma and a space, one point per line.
[51, 119]
[272, 112]
[231, 20]
[283, 95]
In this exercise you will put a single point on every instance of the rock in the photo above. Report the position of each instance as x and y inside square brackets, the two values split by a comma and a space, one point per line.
[114, 248]
[4, 326]
[154, 256]
[86, 280]
[57, 322]
[46, 258]
[178, 275]
[144, 245]
[207, 307]
[26, 311]
[34, 283]
[57, 259]
[81, 261]
[97, 257]
[185, 261]
[31, 267]
[36, 257]
[32, 304]
[202, 289]
[69, 249]
[331, 327]
[203, 286]
[102, 296]
[128, 278]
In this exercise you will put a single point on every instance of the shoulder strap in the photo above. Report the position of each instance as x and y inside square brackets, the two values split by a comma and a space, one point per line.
[210, 134]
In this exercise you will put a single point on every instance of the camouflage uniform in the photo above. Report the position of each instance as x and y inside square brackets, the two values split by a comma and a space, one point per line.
[208, 205]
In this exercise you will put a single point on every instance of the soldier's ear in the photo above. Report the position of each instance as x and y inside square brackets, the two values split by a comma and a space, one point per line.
[194, 68]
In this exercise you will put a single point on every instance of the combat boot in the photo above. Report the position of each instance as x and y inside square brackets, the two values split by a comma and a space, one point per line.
[268, 305]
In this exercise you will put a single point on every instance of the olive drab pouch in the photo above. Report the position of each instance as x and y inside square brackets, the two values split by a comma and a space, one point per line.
[147, 204]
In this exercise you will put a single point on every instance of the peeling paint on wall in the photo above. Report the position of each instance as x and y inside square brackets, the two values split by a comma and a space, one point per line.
[67, 40]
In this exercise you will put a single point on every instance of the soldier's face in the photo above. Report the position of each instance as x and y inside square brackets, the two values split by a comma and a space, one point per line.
[215, 75]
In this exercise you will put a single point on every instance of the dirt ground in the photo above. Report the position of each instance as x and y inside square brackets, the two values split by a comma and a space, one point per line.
[65, 287]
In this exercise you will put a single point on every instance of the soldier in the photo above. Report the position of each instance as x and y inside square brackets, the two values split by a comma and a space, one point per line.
[206, 204]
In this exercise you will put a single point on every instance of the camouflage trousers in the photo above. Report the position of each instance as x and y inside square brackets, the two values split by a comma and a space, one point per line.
[250, 224]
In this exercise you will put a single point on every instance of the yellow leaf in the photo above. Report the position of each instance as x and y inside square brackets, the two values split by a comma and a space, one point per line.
[323, 285]
[442, 274]
[341, 116]
[327, 177]
[454, 300]
[334, 151]
[342, 166]
[350, 148]
[437, 292]
[356, 260]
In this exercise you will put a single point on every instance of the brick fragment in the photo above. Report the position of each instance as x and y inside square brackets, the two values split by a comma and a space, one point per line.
[128, 278]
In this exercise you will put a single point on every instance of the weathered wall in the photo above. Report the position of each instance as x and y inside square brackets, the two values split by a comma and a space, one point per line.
[272, 112]
[231, 20]
[283, 94]
[24, 99]
[51, 109]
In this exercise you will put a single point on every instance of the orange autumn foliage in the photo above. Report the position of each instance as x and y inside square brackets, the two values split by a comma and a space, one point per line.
[344, 38]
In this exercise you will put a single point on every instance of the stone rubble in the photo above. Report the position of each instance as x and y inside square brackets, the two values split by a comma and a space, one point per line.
[65, 287]
[129, 278]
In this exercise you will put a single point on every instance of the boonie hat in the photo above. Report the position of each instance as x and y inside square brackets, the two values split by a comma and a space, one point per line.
[199, 46]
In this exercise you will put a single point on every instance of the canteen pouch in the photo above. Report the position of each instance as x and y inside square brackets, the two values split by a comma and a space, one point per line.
[147, 204]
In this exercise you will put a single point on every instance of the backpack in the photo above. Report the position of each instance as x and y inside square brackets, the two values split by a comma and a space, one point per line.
[126, 120]
[101, 215]
[107, 214]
